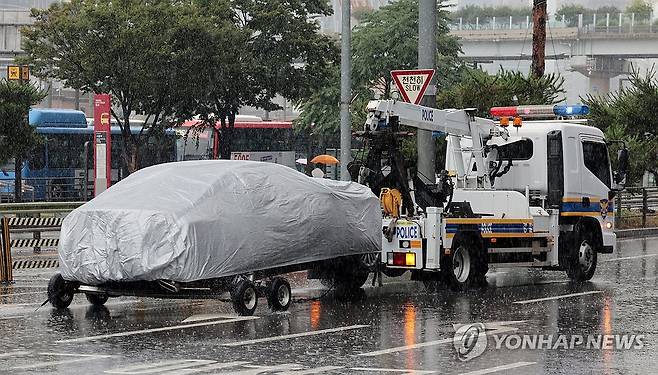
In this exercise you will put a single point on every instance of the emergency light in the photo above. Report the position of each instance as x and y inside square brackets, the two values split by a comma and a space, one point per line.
[540, 110]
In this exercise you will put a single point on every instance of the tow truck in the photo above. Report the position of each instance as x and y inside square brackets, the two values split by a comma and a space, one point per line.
[534, 194]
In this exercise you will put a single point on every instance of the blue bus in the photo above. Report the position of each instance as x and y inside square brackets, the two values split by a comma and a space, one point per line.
[55, 170]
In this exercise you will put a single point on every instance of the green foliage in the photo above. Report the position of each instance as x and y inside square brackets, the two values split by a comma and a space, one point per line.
[120, 47]
[249, 51]
[477, 89]
[571, 12]
[17, 137]
[386, 40]
[641, 8]
[470, 12]
[629, 115]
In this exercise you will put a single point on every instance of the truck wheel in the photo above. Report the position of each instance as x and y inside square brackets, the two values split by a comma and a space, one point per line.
[279, 294]
[244, 298]
[466, 265]
[60, 294]
[582, 257]
[96, 299]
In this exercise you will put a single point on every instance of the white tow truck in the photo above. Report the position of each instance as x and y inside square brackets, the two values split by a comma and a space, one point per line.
[514, 193]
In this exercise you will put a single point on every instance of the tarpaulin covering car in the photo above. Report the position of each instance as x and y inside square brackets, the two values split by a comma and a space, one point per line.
[197, 220]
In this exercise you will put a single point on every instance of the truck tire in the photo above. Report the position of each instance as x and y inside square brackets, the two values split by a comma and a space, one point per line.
[582, 258]
[59, 293]
[466, 266]
[279, 294]
[96, 299]
[244, 298]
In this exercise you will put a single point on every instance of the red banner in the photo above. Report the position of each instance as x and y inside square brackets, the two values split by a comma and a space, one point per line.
[102, 142]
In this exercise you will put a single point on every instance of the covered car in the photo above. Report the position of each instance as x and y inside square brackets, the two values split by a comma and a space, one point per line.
[197, 220]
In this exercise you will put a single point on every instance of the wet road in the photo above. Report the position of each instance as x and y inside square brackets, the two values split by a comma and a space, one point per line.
[395, 329]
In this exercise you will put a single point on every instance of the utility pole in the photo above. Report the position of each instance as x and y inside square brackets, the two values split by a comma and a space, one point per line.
[427, 60]
[538, 38]
[345, 91]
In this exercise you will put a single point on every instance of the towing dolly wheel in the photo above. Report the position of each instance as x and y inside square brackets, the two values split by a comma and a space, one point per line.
[466, 266]
[244, 298]
[60, 294]
[279, 294]
[96, 299]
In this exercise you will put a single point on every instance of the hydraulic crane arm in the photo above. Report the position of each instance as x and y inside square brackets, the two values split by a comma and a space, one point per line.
[455, 123]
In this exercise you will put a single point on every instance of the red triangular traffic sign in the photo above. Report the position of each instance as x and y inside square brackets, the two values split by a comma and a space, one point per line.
[412, 83]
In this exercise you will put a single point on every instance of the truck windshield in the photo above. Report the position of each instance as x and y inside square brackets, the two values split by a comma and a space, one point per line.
[595, 156]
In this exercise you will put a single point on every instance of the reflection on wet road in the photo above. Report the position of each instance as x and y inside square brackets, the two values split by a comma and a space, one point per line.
[395, 329]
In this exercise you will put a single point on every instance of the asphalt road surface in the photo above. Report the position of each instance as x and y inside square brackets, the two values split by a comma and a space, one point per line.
[525, 321]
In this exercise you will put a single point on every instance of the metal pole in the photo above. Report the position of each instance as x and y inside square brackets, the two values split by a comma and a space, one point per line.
[345, 92]
[427, 60]
[85, 175]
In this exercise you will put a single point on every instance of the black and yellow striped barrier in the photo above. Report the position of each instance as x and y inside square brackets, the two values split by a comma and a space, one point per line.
[26, 224]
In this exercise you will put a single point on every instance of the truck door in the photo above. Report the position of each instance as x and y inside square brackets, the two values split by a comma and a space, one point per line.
[595, 178]
[555, 169]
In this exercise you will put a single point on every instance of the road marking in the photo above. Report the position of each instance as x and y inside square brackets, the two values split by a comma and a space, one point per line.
[558, 297]
[22, 293]
[161, 329]
[317, 370]
[212, 366]
[57, 363]
[403, 371]
[494, 327]
[15, 353]
[201, 317]
[633, 257]
[294, 335]
[499, 368]
[158, 367]
[12, 317]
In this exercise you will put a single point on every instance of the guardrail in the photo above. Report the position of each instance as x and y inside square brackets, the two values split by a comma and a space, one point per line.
[35, 218]
[637, 207]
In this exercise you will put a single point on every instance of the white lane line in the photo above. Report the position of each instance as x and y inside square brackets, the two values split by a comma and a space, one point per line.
[15, 353]
[158, 367]
[201, 317]
[558, 297]
[633, 257]
[294, 335]
[403, 371]
[12, 317]
[22, 293]
[161, 329]
[499, 368]
[494, 327]
[317, 370]
[57, 363]
[205, 368]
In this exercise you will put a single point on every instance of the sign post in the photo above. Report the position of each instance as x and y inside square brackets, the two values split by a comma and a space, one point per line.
[102, 143]
[412, 83]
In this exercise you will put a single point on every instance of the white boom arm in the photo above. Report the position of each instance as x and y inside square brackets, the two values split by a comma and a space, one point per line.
[454, 122]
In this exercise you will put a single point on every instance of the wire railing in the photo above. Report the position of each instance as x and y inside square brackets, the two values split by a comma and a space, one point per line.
[637, 207]
[47, 189]
[586, 23]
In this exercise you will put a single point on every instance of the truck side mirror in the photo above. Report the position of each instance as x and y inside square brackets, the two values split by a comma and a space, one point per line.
[622, 165]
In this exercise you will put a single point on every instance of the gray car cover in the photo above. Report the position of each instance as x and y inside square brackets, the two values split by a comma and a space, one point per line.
[197, 220]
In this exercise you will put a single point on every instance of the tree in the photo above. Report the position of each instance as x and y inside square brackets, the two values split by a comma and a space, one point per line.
[571, 12]
[17, 137]
[628, 115]
[480, 90]
[250, 51]
[121, 47]
[377, 49]
[641, 8]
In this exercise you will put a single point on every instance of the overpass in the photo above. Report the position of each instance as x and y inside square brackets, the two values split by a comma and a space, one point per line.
[599, 49]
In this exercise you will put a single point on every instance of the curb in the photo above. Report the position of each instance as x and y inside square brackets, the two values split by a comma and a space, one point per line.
[637, 233]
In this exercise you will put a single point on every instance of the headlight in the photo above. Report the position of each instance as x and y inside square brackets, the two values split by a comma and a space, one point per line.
[608, 225]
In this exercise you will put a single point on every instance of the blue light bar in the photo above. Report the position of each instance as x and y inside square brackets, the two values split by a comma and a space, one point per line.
[571, 110]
